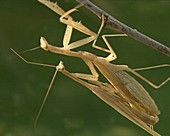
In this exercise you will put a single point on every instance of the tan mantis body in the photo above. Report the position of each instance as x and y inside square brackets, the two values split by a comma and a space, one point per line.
[110, 95]
[123, 92]
[104, 67]
[125, 85]
[131, 100]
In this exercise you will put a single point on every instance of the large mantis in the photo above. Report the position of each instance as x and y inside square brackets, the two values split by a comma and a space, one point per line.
[108, 94]
[122, 92]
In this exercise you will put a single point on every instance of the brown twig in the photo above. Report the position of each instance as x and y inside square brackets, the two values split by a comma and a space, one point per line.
[115, 24]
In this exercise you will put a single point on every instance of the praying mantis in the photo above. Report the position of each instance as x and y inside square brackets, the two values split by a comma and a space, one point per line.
[105, 92]
[123, 92]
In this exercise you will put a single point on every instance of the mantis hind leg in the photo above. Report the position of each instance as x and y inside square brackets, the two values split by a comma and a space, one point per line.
[146, 80]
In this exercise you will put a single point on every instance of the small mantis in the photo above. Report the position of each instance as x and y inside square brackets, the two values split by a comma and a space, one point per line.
[123, 92]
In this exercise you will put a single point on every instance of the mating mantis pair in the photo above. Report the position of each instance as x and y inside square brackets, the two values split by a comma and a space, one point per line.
[122, 92]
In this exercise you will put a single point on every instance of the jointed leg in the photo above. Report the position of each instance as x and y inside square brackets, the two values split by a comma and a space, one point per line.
[94, 76]
[70, 11]
[79, 43]
[76, 25]
[67, 36]
[91, 77]
[112, 56]
[146, 80]
[77, 79]
[54, 7]
[152, 67]
[68, 20]
[93, 37]
[80, 27]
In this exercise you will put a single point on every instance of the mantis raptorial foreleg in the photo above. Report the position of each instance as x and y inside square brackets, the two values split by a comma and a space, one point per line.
[85, 30]
[68, 20]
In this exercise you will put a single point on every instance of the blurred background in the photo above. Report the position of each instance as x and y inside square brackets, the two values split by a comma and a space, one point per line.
[71, 109]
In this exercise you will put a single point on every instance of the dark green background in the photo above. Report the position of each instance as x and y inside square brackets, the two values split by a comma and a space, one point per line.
[71, 109]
